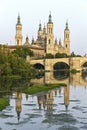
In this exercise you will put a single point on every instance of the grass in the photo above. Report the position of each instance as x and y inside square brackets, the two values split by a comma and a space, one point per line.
[3, 103]
[40, 88]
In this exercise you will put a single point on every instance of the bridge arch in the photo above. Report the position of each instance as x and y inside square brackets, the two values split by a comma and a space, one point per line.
[84, 77]
[60, 66]
[84, 65]
[61, 70]
[38, 66]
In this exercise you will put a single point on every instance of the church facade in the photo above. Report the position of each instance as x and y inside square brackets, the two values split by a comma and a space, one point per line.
[45, 42]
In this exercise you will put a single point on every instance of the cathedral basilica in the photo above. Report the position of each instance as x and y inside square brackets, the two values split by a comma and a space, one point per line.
[45, 42]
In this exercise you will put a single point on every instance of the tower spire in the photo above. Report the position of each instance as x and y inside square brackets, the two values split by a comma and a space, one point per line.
[18, 36]
[50, 18]
[18, 20]
[40, 28]
[67, 39]
[66, 28]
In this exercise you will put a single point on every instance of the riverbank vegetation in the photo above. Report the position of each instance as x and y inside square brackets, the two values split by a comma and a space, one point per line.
[3, 103]
[74, 71]
[61, 55]
[13, 65]
[40, 88]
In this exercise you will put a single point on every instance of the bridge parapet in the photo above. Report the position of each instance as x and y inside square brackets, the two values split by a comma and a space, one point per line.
[73, 62]
[34, 61]
[40, 61]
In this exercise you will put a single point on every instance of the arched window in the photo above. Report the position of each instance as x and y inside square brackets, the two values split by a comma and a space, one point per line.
[66, 35]
[51, 30]
[66, 45]
[49, 41]
[17, 42]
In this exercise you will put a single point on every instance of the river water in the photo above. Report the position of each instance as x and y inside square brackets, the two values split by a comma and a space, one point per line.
[64, 108]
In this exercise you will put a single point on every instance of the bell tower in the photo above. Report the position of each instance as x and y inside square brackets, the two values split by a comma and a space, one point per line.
[18, 36]
[50, 36]
[67, 39]
[40, 32]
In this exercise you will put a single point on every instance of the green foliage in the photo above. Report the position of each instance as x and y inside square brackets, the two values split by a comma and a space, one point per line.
[3, 58]
[60, 55]
[46, 87]
[78, 55]
[74, 71]
[3, 103]
[5, 69]
[14, 65]
[49, 56]
[23, 52]
[74, 55]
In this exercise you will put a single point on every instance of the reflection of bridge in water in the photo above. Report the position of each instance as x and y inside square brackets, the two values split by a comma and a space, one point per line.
[78, 80]
[73, 79]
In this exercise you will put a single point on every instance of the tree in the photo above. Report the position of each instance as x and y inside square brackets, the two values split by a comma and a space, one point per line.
[27, 51]
[20, 67]
[49, 56]
[14, 65]
[23, 52]
[60, 55]
[74, 55]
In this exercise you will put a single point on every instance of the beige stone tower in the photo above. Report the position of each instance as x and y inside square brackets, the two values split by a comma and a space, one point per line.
[50, 36]
[40, 31]
[41, 36]
[18, 36]
[44, 30]
[67, 39]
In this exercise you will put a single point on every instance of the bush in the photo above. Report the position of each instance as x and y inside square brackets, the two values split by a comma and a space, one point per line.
[49, 56]
[3, 103]
[60, 55]
[74, 71]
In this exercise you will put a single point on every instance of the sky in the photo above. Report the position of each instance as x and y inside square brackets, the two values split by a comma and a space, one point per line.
[33, 11]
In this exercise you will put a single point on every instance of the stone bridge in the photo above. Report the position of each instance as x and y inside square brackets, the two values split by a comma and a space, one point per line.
[73, 62]
[77, 62]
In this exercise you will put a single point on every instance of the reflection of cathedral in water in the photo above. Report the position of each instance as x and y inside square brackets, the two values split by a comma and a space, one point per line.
[66, 96]
[46, 101]
[18, 103]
